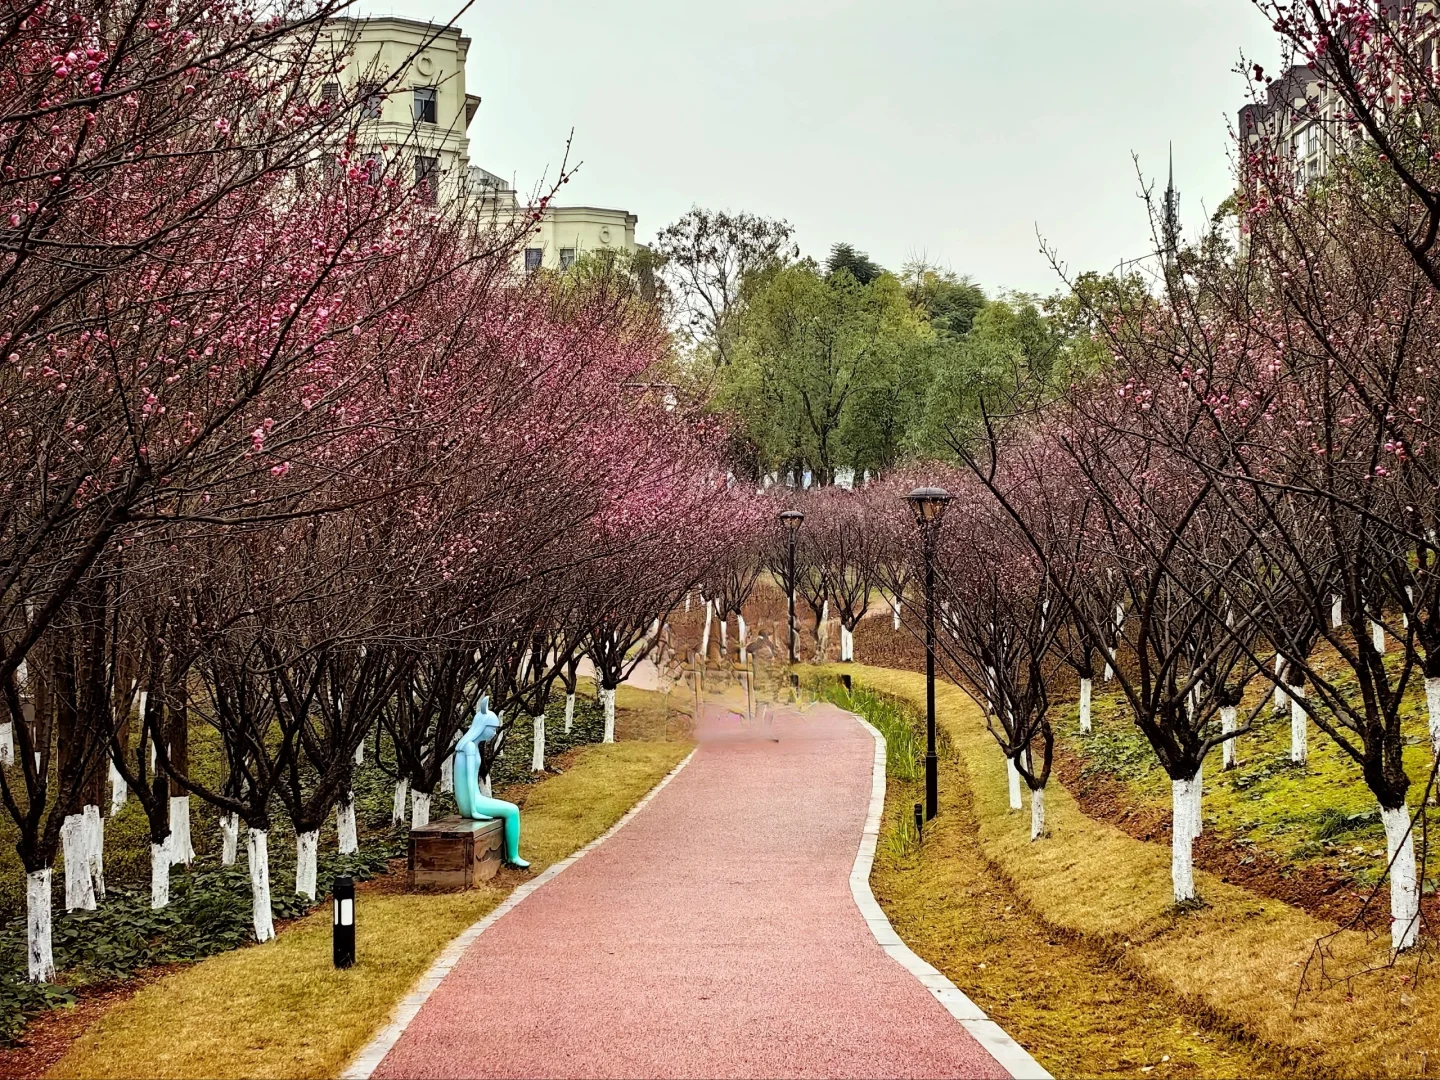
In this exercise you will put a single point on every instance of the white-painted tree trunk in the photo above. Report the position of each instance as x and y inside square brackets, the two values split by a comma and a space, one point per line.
[1109, 672]
[7, 743]
[181, 848]
[742, 635]
[607, 699]
[1432, 702]
[95, 826]
[119, 791]
[40, 956]
[1037, 813]
[1087, 687]
[447, 774]
[229, 839]
[1185, 813]
[847, 644]
[258, 853]
[1377, 637]
[705, 634]
[1337, 612]
[724, 635]
[1227, 725]
[1404, 615]
[1404, 888]
[360, 753]
[307, 851]
[569, 712]
[895, 615]
[822, 632]
[1014, 776]
[1299, 729]
[419, 809]
[348, 840]
[74, 844]
[397, 808]
[1277, 705]
[537, 756]
[687, 601]
[160, 874]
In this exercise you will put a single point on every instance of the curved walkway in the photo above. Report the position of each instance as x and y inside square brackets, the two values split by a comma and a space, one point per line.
[715, 935]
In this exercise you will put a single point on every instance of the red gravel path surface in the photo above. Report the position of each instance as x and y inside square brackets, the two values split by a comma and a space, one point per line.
[713, 936]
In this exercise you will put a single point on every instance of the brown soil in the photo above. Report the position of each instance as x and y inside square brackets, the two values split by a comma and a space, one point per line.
[1321, 891]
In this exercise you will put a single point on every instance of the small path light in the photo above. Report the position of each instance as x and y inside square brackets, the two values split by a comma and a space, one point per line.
[919, 821]
[845, 681]
[929, 504]
[791, 519]
[343, 892]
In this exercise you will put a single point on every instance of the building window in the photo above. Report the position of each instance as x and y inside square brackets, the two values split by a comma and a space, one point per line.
[1312, 140]
[329, 93]
[427, 178]
[425, 105]
[567, 258]
[371, 104]
[533, 258]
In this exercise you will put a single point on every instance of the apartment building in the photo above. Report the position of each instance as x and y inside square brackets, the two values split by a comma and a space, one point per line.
[421, 113]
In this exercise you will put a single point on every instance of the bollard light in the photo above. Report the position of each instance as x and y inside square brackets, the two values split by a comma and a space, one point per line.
[845, 682]
[343, 892]
[919, 821]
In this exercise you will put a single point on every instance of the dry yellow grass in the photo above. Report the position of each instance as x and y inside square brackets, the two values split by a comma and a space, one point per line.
[1239, 958]
[282, 1010]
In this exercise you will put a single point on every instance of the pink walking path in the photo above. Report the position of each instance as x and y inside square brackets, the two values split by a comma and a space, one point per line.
[714, 936]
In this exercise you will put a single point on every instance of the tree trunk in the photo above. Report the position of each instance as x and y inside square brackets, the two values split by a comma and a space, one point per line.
[1432, 702]
[1377, 637]
[160, 874]
[258, 853]
[1299, 729]
[229, 839]
[1014, 775]
[607, 699]
[181, 849]
[537, 756]
[569, 712]
[1087, 687]
[742, 636]
[95, 826]
[119, 792]
[847, 644]
[75, 848]
[895, 616]
[7, 743]
[1037, 813]
[1337, 612]
[1278, 705]
[348, 840]
[40, 956]
[1185, 814]
[1404, 888]
[307, 846]
[705, 634]
[419, 809]
[1227, 725]
[397, 807]
[360, 753]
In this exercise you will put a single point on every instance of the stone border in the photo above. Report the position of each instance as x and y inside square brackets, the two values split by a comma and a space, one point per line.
[368, 1060]
[1010, 1054]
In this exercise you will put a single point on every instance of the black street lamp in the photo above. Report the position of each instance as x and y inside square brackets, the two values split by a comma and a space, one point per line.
[343, 915]
[929, 506]
[791, 519]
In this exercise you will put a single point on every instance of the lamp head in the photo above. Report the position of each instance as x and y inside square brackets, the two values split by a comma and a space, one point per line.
[791, 519]
[928, 504]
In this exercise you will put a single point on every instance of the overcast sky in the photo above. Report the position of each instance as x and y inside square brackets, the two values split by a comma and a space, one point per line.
[952, 129]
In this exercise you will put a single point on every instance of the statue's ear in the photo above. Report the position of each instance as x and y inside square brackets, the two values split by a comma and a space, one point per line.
[484, 704]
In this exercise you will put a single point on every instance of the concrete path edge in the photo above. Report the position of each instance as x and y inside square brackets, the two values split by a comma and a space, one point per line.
[1010, 1054]
[368, 1060]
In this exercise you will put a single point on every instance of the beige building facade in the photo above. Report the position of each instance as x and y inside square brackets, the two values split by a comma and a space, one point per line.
[419, 118]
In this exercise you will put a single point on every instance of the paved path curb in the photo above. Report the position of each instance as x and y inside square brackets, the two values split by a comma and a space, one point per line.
[1010, 1054]
[366, 1062]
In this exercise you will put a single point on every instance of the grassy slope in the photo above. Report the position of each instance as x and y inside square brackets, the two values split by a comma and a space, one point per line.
[1240, 958]
[282, 1010]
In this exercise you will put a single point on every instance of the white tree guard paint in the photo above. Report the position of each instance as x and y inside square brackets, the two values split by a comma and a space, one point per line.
[447, 774]
[485, 785]
[607, 699]
[95, 846]
[1037, 813]
[1227, 725]
[895, 615]
[229, 838]
[1337, 612]
[1185, 811]
[1109, 672]
[75, 845]
[742, 635]
[258, 852]
[1280, 700]
[705, 634]
[569, 712]
[1377, 637]
[1014, 775]
[7, 743]
[40, 956]
[1404, 615]
[160, 874]
[724, 635]
[847, 644]
[537, 751]
[1087, 688]
[1197, 787]
[1299, 729]
[1404, 887]
[181, 848]
[822, 631]
[419, 809]
[345, 832]
[307, 849]
[119, 790]
[360, 753]
[1432, 702]
[397, 807]
[687, 601]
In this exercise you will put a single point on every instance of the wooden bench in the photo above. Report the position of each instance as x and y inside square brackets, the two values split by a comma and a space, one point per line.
[455, 853]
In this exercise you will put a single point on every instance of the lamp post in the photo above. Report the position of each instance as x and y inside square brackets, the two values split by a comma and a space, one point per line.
[929, 504]
[791, 519]
[343, 915]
